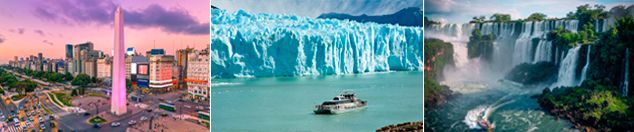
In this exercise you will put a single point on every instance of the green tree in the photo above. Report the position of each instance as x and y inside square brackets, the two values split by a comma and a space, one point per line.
[536, 17]
[478, 19]
[480, 45]
[73, 93]
[68, 76]
[499, 17]
[82, 80]
[588, 14]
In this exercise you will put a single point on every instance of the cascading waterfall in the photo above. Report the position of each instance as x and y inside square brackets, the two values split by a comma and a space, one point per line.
[626, 79]
[584, 72]
[526, 42]
[567, 68]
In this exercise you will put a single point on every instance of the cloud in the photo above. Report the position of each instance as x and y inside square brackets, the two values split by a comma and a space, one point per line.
[438, 6]
[18, 30]
[176, 21]
[47, 42]
[2, 39]
[40, 32]
[98, 12]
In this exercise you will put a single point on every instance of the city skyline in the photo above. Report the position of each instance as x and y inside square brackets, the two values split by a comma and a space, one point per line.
[31, 27]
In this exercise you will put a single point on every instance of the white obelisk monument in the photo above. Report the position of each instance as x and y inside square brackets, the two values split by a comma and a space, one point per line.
[118, 96]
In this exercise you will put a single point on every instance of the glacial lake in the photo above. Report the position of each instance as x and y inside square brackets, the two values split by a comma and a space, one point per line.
[287, 103]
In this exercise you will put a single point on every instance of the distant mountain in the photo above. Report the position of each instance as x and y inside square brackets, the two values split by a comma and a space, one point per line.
[412, 16]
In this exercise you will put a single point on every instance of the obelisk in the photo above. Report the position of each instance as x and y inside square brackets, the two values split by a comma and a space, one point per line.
[118, 96]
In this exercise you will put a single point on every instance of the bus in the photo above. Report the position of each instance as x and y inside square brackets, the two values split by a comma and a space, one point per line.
[168, 107]
[203, 115]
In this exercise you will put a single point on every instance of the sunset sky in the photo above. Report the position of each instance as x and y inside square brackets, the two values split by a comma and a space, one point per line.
[28, 27]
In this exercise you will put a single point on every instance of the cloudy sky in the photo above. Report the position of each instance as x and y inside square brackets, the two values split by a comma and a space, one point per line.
[313, 8]
[461, 11]
[31, 26]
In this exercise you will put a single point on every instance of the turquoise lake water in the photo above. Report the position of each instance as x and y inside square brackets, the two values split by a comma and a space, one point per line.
[286, 104]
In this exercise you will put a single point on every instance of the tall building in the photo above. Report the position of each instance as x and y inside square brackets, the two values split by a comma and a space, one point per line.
[90, 67]
[104, 67]
[181, 66]
[161, 71]
[130, 65]
[40, 62]
[80, 54]
[69, 51]
[198, 75]
[118, 96]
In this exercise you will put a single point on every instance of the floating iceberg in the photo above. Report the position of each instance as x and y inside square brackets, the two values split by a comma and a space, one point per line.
[256, 45]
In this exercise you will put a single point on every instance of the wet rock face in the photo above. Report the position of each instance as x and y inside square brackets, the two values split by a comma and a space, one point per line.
[403, 127]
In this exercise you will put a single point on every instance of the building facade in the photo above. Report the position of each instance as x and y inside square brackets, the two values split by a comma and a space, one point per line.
[161, 72]
[198, 75]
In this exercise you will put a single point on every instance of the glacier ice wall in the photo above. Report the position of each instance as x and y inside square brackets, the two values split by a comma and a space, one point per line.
[255, 45]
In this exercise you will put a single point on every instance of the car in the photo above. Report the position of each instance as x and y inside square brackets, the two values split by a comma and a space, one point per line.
[52, 125]
[39, 118]
[131, 122]
[86, 114]
[143, 118]
[96, 126]
[115, 124]
[42, 126]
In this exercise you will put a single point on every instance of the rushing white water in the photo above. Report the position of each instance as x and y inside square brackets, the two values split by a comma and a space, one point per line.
[567, 68]
[626, 79]
[254, 45]
[584, 72]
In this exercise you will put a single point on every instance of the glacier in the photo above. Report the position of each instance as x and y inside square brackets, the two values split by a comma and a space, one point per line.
[261, 45]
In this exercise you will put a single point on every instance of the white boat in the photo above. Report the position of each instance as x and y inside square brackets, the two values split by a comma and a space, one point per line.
[342, 103]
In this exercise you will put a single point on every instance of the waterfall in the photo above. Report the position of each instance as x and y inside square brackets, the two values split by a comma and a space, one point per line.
[567, 68]
[584, 72]
[626, 79]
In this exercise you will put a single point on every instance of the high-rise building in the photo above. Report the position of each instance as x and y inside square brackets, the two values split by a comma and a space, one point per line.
[118, 96]
[161, 71]
[69, 51]
[198, 75]
[80, 53]
[181, 66]
[40, 62]
[90, 67]
[104, 67]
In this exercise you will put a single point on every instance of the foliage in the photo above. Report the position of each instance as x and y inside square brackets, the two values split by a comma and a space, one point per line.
[438, 54]
[17, 97]
[478, 19]
[563, 37]
[528, 73]
[97, 120]
[82, 80]
[588, 14]
[480, 45]
[591, 104]
[63, 98]
[428, 22]
[536, 17]
[499, 17]
[25, 86]
[434, 92]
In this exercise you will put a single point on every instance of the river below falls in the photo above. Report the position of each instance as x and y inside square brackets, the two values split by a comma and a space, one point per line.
[509, 107]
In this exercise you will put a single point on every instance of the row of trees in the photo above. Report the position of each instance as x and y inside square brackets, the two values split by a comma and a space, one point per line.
[10, 82]
[584, 13]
